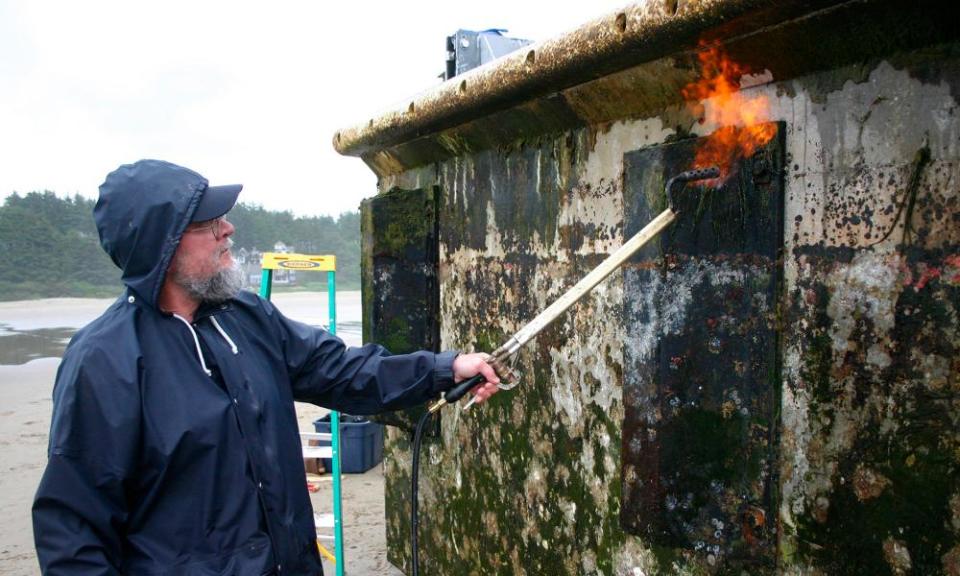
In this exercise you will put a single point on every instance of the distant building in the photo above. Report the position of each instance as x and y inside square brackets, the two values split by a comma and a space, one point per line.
[251, 262]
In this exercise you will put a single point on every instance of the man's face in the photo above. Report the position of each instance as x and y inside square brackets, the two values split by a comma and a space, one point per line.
[203, 264]
[204, 249]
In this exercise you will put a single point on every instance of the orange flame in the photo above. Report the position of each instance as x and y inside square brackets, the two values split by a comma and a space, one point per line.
[742, 119]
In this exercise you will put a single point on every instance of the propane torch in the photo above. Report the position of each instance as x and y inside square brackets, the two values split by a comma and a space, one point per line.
[500, 357]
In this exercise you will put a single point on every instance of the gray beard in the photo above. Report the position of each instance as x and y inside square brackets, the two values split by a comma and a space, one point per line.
[222, 286]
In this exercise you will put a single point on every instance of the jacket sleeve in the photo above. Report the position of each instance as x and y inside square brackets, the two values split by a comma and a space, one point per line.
[364, 380]
[79, 511]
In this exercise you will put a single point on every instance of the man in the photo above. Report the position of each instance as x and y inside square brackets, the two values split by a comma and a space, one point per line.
[174, 445]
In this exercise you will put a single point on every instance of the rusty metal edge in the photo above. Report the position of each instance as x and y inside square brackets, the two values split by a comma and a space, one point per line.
[623, 38]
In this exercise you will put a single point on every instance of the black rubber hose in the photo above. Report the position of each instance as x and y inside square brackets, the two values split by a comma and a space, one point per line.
[451, 396]
[414, 478]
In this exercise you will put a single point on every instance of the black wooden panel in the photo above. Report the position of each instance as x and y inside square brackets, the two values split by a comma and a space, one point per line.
[399, 277]
[702, 374]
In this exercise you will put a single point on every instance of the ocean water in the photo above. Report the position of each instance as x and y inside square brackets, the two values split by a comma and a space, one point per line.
[34, 329]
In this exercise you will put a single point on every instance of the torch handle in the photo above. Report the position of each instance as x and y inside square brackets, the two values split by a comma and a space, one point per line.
[456, 393]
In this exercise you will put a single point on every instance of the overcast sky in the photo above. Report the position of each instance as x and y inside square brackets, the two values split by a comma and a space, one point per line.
[248, 92]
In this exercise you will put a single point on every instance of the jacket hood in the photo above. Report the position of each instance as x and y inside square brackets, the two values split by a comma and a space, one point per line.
[141, 214]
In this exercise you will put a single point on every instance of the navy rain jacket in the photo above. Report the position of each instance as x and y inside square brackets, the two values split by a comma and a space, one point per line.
[154, 468]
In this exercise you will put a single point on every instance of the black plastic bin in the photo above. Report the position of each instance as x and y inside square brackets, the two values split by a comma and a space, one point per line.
[361, 443]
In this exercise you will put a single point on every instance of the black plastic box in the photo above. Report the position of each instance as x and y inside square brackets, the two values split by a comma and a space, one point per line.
[361, 443]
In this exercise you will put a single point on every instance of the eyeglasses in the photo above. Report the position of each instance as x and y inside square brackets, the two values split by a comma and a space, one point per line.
[212, 225]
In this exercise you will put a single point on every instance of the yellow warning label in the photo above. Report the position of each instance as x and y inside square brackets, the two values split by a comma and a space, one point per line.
[306, 262]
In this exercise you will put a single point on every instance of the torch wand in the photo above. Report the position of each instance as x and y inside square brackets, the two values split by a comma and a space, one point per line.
[499, 357]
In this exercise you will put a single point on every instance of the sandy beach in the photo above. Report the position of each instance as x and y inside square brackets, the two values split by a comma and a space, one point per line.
[25, 404]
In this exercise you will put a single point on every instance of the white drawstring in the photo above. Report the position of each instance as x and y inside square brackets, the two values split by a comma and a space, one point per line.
[196, 341]
[233, 347]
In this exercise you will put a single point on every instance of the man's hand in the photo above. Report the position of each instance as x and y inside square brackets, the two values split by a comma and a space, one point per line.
[469, 365]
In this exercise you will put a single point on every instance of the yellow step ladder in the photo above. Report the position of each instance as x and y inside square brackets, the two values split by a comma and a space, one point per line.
[316, 263]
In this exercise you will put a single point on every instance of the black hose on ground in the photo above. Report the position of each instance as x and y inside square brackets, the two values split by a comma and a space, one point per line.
[449, 397]
[414, 477]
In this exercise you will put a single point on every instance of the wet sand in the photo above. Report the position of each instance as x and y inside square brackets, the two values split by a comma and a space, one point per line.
[24, 423]
[25, 404]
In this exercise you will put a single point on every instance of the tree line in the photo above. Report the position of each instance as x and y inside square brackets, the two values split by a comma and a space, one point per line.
[49, 245]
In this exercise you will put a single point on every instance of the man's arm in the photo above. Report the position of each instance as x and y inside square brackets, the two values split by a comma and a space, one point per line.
[369, 379]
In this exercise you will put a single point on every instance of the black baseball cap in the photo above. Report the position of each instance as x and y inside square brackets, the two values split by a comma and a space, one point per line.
[216, 201]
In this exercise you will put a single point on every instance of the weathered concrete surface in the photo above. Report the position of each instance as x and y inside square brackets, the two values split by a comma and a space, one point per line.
[871, 391]
[868, 470]
[869, 450]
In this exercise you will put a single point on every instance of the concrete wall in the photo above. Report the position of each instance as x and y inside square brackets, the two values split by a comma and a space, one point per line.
[867, 470]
